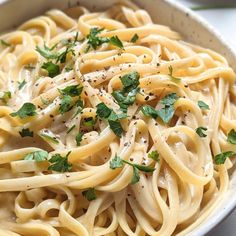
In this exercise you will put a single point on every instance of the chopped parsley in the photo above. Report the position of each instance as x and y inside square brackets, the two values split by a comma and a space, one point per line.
[26, 133]
[127, 95]
[4, 43]
[134, 38]
[36, 156]
[221, 158]
[21, 84]
[89, 121]
[60, 163]
[114, 40]
[70, 129]
[105, 112]
[28, 109]
[44, 101]
[173, 78]
[66, 104]
[167, 111]
[203, 105]
[78, 138]
[6, 97]
[49, 138]
[149, 111]
[52, 69]
[47, 52]
[89, 194]
[72, 90]
[117, 162]
[231, 137]
[200, 132]
[94, 40]
[154, 155]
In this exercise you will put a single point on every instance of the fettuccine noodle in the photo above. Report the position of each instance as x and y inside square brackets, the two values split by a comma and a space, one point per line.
[66, 169]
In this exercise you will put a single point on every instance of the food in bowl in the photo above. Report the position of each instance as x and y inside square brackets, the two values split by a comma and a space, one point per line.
[111, 125]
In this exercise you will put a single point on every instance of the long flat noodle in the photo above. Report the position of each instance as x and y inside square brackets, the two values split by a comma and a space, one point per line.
[109, 125]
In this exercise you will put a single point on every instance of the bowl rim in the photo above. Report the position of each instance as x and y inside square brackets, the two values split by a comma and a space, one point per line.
[231, 206]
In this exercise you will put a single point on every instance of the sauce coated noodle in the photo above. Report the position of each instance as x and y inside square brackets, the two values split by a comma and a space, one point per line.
[176, 185]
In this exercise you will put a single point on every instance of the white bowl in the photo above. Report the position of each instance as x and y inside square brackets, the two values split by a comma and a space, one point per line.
[192, 27]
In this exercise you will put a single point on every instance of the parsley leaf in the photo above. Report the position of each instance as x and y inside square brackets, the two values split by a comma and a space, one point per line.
[167, 112]
[21, 84]
[36, 156]
[114, 40]
[116, 127]
[173, 78]
[26, 133]
[66, 104]
[203, 105]
[49, 138]
[136, 177]
[113, 119]
[60, 163]
[44, 101]
[89, 122]
[72, 90]
[4, 43]
[6, 97]
[78, 138]
[154, 155]
[89, 194]
[200, 132]
[127, 95]
[70, 129]
[232, 137]
[149, 111]
[47, 52]
[116, 162]
[221, 158]
[28, 109]
[52, 69]
[134, 38]
[94, 40]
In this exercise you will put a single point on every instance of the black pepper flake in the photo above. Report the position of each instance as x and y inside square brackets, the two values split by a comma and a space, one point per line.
[126, 144]
[51, 115]
[186, 86]
[146, 98]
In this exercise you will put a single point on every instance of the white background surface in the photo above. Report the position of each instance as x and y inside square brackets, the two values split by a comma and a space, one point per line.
[224, 20]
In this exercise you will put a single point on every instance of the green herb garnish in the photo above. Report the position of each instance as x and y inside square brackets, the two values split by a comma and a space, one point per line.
[21, 84]
[70, 129]
[4, 43]
[28, 109]
[36, 156]
[134, 38]
[154, 155]
[203, 105]
[60, 163]
[167, 111]
[200, 132]
[173, 78]
[89, 194]
[26, 133]
[94, 40]
[231, 138]
[89, 121]
[78, 138]
[66, 104]
[52, 69]
[221, 158]
[114, 40]
[6, 97]
[117, 162]
[49, 138]
[149, 111]
[47, 52]
[72, 90]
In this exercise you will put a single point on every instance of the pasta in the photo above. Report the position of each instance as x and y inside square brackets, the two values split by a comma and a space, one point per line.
[110, 124]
